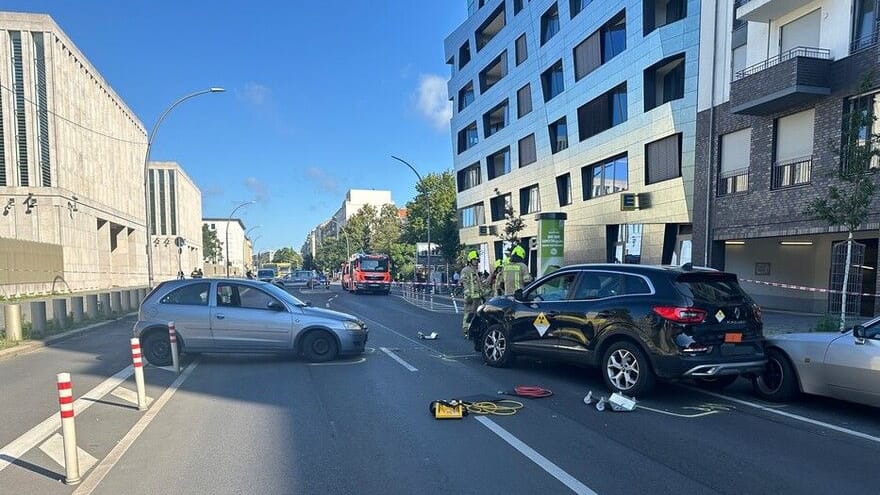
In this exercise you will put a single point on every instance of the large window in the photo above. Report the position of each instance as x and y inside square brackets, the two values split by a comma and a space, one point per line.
[495, 119]
[489, 29]
[522, 49]
[20, 105]
[464, 54]
[527, 153]
[549, 23]
[529, 200]
[42, 110]
[663, 159]
[498, 163]
[244, 296]
[558, 135]
[465, 96]
[467, 137]
[469, 177]
[602, 113]
[738, 61]
[658, 13]
[553, 81]
[664, 82]
[606, 177]
[576, 6]
[518, 6]
[162, 221]
[794, 150]
[472, 215]
[604, 44]
[499, 205]
[188, 295]
[734, 170]
[524, 101]
[172, 200]
[864, 32]
[801, 32]
[152, 175]
[563, 189]
[494, 72]
[861, 125]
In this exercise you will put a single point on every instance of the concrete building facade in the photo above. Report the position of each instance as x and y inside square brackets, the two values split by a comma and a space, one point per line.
[355, 199]
[71, 168]
[568, 106]
[778, 81]
[240, 249]
[175, 220]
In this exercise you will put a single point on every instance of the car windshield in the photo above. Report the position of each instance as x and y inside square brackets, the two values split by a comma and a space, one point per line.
[282, 294]
[266, 273]
[302, 275]
[374, 264]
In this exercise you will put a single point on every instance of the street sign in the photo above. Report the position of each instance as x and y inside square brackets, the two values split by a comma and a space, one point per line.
[179, 242]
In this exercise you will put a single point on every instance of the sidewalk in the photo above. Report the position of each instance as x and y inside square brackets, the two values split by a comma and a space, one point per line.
[776, 322]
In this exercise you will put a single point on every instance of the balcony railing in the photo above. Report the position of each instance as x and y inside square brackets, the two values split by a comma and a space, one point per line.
[793, 172]
[801, 51]
[866, 41]
[733, 181]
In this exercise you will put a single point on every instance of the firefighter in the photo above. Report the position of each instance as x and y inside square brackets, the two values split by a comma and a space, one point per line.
[515, 274]
[495, 279]
[473, 289]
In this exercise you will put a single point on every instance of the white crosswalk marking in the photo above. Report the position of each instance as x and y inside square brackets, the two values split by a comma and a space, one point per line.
[54, 448]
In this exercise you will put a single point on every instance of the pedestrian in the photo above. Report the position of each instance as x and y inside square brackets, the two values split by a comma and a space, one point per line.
[180, 275]
[515, 274]
[495, 280]
[455, 277]
[201, 274]
[473, 290]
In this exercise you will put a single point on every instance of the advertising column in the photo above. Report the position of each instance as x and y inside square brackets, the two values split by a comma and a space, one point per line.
[551, 242]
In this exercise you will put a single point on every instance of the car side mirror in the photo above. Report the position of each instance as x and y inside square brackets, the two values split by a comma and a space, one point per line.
[859, 334]
[309, 304]
[273, 305]
[518, 295]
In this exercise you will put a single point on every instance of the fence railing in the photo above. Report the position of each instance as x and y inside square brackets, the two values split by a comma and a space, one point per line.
[866, 41]
[801, 51]
[792, 172]
[733, 181]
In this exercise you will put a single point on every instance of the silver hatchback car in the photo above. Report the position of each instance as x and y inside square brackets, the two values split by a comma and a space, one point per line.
[222, 315]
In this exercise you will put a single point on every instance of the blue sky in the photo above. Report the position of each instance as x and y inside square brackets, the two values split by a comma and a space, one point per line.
[319, 94]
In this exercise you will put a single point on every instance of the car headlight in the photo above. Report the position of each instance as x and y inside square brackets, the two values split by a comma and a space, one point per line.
[352, 325]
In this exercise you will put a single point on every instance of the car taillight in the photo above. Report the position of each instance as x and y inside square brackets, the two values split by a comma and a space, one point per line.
[680, 315]
[756, 310]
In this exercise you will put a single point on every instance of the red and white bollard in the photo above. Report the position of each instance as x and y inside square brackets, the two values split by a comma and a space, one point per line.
[138, 362]
[175, 355]
[68, 429]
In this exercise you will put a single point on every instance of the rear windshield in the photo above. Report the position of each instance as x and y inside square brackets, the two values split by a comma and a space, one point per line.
[712, 288]
[266, 273]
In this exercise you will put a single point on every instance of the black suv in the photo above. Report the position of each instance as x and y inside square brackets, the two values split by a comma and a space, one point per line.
[635, 322]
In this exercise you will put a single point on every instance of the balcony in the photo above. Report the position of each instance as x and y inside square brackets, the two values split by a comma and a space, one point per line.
[761, 10]
[796, 77]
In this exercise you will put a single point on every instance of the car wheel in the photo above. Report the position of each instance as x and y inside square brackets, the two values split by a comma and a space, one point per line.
[496, 347]
[157, 349]
[625, 369]
[717, 382]
[778, 382]
[319, 346]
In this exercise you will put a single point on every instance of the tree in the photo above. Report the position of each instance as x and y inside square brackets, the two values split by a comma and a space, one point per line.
[403, 260]
[849, 197]
[435, 196]
[512, 227]
[387, 229]
[360, 228]
[211, 248]
[329, 255]
[288, 255]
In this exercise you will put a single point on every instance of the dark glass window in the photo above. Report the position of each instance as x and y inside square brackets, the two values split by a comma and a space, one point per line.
[563, 189]
[553, 81]
[190, 295]
[606, 177]
[603, 112]
[558, 135]
[549, 23]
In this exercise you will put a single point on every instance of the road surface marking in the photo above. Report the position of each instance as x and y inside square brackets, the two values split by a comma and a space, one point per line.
[789, 415]
[395, 332]
[93, 480]
[128, 395]
[704, 410]
[54, 448]
[42, 431]
[545, 464]
[340, 363]
[398, 359]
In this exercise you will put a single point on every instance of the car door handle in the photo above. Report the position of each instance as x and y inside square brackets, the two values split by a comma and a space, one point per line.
[220, 317]
[551, 314]
[604, 314]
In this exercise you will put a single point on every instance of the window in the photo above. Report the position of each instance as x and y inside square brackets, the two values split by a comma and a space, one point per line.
[153, 203]
[576, 6]
[628, 246]
[491, 27]
[558, 288]
[606, 177]
[469, 177]
[738, 61]
[558, 135]
[735, 151]
[524, 101]
[602, 113]
[471, 216]
[522, 49]
[467, 137]
[864, 33]
[563, 189]
[860, 124]
[42, 110]
[801, 32]
[464, 54]
[527, 153]
[19, 113]
[606, 43]
[664, 82]
[499, 205]
[552, 81]
[549, 23]
[498, 163]
[658, 13]
[465, 96]
[162, 221]
[190, 295]
[599, 285]
[529, 200]
[495, 119]
[794, 150]
[494, 72]
[663, 159]
[244, 296]
[518, 6]
[172, 201]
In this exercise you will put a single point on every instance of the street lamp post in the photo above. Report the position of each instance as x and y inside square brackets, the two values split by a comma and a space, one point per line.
[228, 221]
[259, 257]
[428, 263]
[150, 139]
[254, 240]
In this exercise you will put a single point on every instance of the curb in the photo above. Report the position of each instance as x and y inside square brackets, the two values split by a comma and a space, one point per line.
[25, 347]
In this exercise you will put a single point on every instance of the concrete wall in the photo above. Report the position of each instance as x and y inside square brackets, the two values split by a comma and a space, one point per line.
[188, 213]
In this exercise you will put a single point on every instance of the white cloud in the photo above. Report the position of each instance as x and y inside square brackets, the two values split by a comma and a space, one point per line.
[256, 94]
[257, 188]
[432, 100]
[324, 181]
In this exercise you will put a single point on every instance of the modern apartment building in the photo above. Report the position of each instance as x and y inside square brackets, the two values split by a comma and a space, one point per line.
[778, 80]
[71, 168]
[175, 220]
[355, 199]
[240, 248]
[582, 107]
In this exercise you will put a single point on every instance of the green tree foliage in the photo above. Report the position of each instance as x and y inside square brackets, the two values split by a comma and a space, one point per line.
[512, 227]
[329, 255]
[403, 260]
[288, 255]
[211, 247]
[435, 196]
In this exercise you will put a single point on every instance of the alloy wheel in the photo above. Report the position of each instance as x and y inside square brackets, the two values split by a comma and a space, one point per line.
[494, 345]
[623, 369]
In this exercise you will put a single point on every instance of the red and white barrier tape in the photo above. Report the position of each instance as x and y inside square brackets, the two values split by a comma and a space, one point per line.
[807, 289]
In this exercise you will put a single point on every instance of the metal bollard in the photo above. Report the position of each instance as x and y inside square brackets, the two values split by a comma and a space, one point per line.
[12, 317]
[138, 363]
[432, 301]
[175, 356]
[68, 429]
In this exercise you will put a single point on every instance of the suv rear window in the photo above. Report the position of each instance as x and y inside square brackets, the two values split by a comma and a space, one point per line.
[266, 273]
[711, 288]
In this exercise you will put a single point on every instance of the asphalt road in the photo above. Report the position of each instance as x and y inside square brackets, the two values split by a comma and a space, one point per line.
[274, 424]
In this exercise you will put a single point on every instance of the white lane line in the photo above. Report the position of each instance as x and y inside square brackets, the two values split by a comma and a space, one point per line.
[54, 448]
[93, 480]
[340, 363]
[789, 415]
[128, 395]
[18, 447]
[545, 464]
[398, 359]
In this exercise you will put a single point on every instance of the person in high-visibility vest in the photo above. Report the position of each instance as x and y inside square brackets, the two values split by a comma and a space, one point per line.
[495, 279]
[515, 274]
[474, 291]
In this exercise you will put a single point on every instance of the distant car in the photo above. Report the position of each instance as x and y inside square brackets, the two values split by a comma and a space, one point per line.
[635, 322]
[840, 365]
[299, 279]
[266, 275]
[242, 316]
[321, 279]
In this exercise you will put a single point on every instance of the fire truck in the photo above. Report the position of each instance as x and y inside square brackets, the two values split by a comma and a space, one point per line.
[367, 273]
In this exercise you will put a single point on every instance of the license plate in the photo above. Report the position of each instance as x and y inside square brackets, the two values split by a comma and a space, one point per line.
[733, 338]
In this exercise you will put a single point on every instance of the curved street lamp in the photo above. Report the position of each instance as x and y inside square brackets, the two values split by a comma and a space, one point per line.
[428, 263]
[253, 245]
[228, 221]
[150, 139]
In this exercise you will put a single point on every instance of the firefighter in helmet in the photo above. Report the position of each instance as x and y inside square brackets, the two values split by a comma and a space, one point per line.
[473, 289]
[515, 274]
